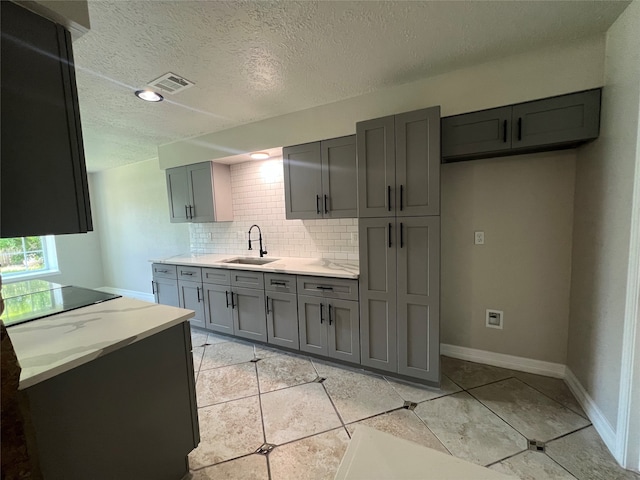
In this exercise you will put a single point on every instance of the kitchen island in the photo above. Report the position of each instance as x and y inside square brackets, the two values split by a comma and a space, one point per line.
[111, 390]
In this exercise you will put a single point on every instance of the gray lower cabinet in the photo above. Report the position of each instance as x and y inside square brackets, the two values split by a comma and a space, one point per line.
[249, 319]
[378, 321]
[217, 307]
[191, 297]
[329, 327]
[399, 295]
[165, 291]
[399, 165]
[282, 319]
[319, 179]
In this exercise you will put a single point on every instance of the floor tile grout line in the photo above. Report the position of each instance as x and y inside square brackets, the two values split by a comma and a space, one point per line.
[223, 461]
[568, 433]
[485, 406]
[549, 396]
[335, 409]
[289, 386]
[306, 437]
[505, 458]
[227, 401]
[264, 431]
[434, 434]
[560, 465]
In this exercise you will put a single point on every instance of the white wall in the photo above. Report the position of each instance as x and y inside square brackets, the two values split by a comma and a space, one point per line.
[539, 74]
[132, 213]
[258, 197]
[605, 173]
[524, 205]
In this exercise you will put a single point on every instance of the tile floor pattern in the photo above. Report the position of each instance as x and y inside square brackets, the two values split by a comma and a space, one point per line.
[249, 395]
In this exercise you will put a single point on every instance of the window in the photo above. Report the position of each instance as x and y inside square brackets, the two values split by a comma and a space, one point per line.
[25, 257]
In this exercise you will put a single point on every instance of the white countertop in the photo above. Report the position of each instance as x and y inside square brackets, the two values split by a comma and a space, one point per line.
[290, 265]
[49, 346]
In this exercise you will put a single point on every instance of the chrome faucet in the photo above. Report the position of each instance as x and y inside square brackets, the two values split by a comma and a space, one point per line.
[262, 252]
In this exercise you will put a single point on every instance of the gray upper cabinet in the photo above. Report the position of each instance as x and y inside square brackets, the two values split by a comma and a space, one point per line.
[557, 120]
[43, 177]
[199, 193]
[418, 297]
[478, 132]
[282, 319]
[302, 181]
[218, 310]
[319, 179]
[398, 165]
[418, 162]
[376, 167]
[552, 123]
[378, 293]
[339, 177]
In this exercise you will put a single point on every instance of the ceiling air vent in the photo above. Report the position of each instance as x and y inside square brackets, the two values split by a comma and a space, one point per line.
[171, 83]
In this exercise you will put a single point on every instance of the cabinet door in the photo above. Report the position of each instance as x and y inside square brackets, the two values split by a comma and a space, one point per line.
[311, 318]
[43, 179]
[249, 319]
[418, 163]
[282, 319]
[378, 293]
[302, 181]
[343, 330]
[557, 120]
[476, 133]
[165, 291]
[419, 297]
[200, 192]
[376, 167]
[217, 307]
[192, 298]
[339, 178]
[178, 194]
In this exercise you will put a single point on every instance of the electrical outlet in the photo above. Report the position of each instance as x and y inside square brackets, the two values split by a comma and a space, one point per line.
[494, 319]
[478, 238]
[209, 236]
[354, 238]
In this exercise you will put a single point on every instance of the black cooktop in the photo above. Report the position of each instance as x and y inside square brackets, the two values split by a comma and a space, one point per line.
[32, 306]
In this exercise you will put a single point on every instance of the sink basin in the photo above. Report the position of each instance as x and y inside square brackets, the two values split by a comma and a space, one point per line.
[251, 260]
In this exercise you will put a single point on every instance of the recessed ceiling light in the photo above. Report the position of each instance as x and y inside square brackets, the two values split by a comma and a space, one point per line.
[149, 96]
[259, 155]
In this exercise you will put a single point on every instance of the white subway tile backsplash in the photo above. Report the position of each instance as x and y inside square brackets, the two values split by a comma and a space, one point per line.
[258, 197]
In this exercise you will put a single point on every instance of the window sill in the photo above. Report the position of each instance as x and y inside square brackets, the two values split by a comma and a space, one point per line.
[30, 276]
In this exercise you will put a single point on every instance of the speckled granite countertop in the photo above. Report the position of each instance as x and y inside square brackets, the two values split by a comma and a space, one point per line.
[50, 346]
[290, 265]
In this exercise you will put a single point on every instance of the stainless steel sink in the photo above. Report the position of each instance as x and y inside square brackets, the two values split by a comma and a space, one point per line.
[251, 260]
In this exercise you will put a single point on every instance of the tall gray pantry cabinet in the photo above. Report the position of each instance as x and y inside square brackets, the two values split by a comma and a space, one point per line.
[399, 235]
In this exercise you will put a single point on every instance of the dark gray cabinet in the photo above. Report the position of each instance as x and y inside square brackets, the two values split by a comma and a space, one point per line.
[476, 133]
[319, 179]
[400, 295]
[199, 193]
[563, 121]
[191, 297]
[218, 308]
[378, 319]
[418, 297]
[282, 319]
[249, 316]
[399, 165]
[328, 324]
[44, 188]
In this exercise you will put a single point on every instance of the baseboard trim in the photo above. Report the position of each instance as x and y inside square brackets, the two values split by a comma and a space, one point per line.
[147, 297]
[505, 361]
[594, 413]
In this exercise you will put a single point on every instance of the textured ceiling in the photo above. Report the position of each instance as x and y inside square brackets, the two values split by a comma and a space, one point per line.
[255, 60]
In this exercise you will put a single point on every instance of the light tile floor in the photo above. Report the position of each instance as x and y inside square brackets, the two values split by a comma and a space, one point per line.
[305, 410]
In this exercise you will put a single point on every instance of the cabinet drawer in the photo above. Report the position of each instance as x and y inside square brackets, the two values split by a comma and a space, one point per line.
[328, 287]
[247, 279]
[275, 282]
[161, 270]
[219, 276]
[190, 274]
